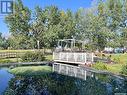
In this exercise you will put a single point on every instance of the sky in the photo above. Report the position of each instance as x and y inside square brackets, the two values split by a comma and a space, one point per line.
[61, 4]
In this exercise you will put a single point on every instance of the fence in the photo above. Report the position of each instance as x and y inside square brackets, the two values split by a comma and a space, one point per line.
[73, 57]
[10, 54]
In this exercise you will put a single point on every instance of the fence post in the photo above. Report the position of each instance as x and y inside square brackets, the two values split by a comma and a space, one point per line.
[53, 68]
[59, 55]
[59, 68]
[75, 72]
[67, 56]
[82, 57]
[85, 58]
[66, 69]
[92, 58]
[53, 56]
[85, 74]
[74, 58]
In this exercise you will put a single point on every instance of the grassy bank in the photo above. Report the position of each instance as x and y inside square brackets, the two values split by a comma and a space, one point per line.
[119, 58]
[121, 61]
[49, 57]
[14, 60]
[117, 67]
[114, 68]
[10, 60]
[31, 70]
[27, 50]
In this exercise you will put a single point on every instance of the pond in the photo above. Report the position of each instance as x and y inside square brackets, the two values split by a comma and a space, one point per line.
[55, 84]
[4, 79]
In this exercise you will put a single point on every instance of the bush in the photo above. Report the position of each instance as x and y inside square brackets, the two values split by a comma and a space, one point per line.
[100, 66]
[124, 70]
[5, 61]
[33, 57]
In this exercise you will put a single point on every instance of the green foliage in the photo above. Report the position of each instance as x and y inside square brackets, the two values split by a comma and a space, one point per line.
[10, 60]
[31, 70]
[19, 24]
[3, 42]
[104, 25]
[9, 92]
[49, 57]
[124, 69]
[100, 66]
[55, 84]
[33, 57]
[5, 61]
[115, 68]
[117, 60]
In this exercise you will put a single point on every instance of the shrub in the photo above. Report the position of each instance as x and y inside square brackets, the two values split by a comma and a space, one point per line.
[124, 70]
[5, 61]
[100, 66]
[33, 57]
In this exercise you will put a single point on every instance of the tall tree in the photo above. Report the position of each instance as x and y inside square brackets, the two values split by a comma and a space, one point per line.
[3, 42]
[19, 24]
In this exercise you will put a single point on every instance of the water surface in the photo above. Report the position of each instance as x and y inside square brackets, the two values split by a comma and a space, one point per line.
[4, 79]
[56, 84]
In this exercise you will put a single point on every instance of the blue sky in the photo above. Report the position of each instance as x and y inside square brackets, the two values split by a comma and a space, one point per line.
[62, 4]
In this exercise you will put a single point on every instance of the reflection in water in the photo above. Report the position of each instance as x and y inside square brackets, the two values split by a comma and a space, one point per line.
[4, 79]
[54, 84]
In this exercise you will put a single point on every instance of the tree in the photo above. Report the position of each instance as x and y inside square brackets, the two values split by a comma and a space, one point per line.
[100, 26]
[19, 24]
[94, 29]
[51, 24]
[116, 13]
[38, 27]
[3, 42]
[45, 25]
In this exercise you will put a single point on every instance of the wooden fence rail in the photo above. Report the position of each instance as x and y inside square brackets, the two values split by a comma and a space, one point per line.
[10, 54]
[73, 57]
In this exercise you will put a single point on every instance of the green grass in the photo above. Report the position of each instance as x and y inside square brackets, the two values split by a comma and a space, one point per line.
[100, 66]
[27, 50]
[119, 58]
[14, 60]
[15, 50]
[120, 61]
[9, 60]
[115, 68]
[31, 70]
[49, 57]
